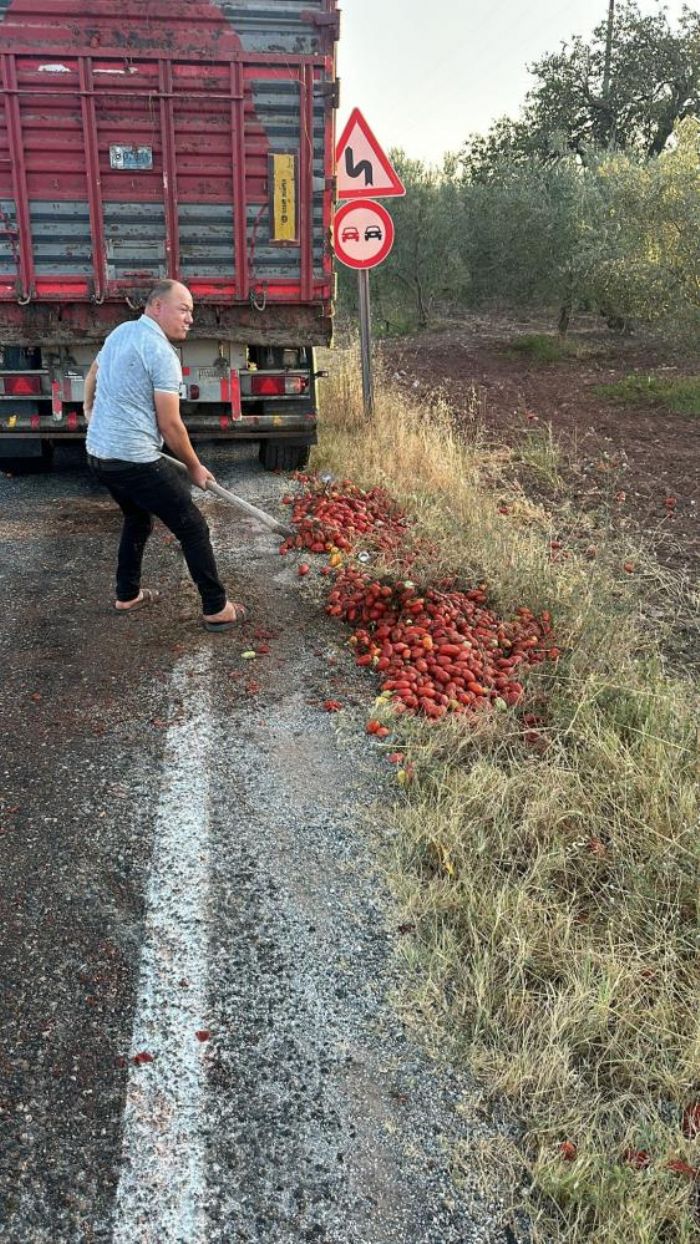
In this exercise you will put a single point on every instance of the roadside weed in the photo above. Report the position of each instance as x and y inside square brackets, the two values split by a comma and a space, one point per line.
[539, 450]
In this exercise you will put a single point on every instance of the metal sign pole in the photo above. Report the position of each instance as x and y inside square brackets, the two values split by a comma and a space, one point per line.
[366, 341]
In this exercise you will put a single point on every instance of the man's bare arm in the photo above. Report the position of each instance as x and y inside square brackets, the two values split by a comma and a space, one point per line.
[176, 436]
[89, 391]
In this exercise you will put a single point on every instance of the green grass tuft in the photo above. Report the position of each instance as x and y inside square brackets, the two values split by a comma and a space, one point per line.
[544, 347]
[682, 395]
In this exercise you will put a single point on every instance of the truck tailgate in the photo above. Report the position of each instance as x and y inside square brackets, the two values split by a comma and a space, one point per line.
[182, 139]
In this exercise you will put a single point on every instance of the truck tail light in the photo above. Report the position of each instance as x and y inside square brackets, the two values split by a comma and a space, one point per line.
[22, 386]
[296, 384]
[267, 386]
[278, 386]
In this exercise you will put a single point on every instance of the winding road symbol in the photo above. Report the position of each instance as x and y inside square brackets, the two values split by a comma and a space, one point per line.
[356, 170]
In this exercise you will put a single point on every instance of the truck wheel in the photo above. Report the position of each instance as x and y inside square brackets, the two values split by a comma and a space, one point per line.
[27, 454]
[279, 456]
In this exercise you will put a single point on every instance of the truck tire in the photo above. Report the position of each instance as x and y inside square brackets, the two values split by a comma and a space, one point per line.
[279, 456]
[28, 455]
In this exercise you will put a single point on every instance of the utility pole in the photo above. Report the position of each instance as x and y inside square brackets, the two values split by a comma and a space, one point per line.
[608, 51]
[608, 128]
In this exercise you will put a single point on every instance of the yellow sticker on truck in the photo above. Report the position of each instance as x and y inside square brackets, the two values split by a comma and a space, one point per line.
[284, 197]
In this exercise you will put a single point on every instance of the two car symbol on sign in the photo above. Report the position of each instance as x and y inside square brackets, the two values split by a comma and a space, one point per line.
[372, 234]
[364, 234]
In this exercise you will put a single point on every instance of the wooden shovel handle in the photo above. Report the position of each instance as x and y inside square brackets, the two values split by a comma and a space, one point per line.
[245, 506]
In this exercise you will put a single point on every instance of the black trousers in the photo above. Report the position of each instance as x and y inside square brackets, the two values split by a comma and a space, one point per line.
[142, 489]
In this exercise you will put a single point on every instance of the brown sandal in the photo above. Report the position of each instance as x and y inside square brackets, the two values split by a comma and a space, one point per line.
[148, 596]
[239, 616]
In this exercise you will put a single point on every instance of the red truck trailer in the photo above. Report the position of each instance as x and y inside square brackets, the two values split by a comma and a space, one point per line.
[192, 139]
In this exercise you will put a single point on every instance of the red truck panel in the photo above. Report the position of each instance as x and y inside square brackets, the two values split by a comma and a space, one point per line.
[135, 142]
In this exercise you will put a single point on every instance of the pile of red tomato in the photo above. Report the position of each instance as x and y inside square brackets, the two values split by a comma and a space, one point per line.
[439, 650]
[336, 517]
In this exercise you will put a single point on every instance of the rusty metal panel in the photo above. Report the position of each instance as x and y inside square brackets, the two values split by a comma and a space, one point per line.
[132, 149]
[61, 238]
[206, 240]
[9, 239]
[135, 241]
[277, 107]
[281, 26]
[71, 322]
[297, 27]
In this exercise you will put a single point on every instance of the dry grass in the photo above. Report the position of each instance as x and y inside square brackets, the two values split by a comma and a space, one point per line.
[540, 451]
[554, 887]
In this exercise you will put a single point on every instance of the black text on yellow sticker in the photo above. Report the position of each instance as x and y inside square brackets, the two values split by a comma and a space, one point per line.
[284, 197]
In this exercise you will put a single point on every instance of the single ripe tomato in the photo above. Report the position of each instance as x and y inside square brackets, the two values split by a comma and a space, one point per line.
[691, 1121]
[638, 1159]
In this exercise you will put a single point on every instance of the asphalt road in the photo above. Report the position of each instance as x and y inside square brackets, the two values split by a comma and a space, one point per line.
[195, 939]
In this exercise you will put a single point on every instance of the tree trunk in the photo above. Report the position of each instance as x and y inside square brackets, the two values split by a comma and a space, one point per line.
[380, 309]
[564, 319]
[420, 304]
[664, 128]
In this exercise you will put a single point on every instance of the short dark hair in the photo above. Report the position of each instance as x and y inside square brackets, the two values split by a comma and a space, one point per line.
[161, 289]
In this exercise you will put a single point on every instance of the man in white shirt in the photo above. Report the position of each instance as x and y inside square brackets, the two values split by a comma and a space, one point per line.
[132, 405]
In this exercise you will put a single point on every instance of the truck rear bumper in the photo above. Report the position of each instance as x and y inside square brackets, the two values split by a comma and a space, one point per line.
[299, 429]
[302, 429]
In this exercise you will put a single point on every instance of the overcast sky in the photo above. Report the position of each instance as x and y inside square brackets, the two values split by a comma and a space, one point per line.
[428, 72]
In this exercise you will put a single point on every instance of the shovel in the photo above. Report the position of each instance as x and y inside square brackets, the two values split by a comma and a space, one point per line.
[245, 506]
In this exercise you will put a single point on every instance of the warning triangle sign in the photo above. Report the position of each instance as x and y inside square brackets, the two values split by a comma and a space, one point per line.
[363, 170]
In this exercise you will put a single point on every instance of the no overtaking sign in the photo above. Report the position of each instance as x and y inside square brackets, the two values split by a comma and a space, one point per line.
[364, 234]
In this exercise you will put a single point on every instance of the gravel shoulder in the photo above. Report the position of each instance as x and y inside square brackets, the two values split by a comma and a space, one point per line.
[320, 1116]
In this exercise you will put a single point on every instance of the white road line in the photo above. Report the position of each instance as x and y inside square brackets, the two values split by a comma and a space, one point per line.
[161, 1192]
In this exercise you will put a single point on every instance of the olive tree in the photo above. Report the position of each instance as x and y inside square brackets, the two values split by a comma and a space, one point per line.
[649, 266]
[624, 89]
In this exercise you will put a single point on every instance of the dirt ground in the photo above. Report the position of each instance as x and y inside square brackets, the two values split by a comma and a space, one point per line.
[632, 468]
